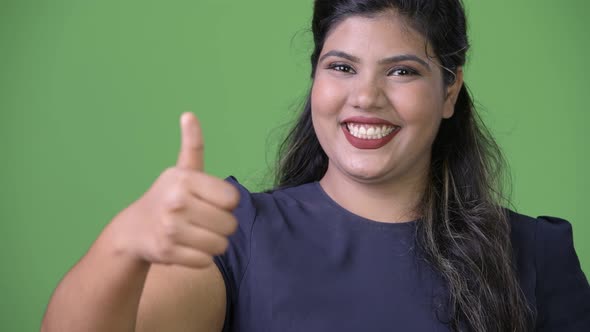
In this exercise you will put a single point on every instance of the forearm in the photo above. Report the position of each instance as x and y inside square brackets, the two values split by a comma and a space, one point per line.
[100, 293]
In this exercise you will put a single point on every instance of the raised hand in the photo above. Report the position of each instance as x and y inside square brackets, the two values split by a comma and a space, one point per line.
[186, 215]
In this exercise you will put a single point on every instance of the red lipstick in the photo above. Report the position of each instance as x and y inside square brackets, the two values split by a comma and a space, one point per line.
[363, 119]
[362, 143]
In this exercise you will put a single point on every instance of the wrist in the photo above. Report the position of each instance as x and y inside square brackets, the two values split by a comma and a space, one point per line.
[117, 239]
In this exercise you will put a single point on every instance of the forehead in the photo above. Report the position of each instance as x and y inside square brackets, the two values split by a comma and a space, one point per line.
[382, 33]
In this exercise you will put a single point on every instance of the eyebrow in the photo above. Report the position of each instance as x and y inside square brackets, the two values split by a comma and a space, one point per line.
[395, 58]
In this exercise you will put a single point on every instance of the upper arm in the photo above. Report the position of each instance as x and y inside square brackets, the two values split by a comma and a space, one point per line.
[563, 293]
[179, 299]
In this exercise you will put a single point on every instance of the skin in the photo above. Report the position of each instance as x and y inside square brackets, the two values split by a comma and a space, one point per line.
[407, 93]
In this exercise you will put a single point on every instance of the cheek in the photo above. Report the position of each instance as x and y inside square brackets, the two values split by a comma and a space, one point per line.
[327, 102]
[421, 107]
[327, 98]
[421, 113]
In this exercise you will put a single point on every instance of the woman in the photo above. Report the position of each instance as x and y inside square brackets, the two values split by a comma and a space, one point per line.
[386, 214]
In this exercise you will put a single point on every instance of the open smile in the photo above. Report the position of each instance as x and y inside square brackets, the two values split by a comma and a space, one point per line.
[369, 131]
[367, 135]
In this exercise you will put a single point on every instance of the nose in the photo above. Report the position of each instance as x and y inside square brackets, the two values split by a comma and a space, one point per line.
[368, 94]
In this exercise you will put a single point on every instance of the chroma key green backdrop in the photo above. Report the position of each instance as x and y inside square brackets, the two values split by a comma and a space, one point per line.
[91, 93]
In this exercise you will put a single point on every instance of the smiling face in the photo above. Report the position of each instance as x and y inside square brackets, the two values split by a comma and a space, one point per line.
[377, 100]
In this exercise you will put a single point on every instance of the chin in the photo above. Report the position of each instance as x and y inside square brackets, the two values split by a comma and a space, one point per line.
[366, 174]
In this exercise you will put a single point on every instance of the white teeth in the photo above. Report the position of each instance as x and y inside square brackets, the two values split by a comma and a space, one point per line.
[365, 131]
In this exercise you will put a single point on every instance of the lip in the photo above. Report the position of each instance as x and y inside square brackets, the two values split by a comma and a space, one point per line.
[363, 119]
[368, 144]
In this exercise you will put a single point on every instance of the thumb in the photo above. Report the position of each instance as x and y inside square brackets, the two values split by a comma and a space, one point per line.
[191, 148]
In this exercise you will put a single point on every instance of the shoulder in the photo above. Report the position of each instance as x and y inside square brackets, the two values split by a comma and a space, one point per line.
[297, 195]
[542, 241]
[263, 210]
[539, 232]
[550, 271]
[553, 238]
[522, 224]
[525, 223]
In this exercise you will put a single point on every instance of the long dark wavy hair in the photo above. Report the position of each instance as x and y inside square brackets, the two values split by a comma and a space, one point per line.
[464, 232]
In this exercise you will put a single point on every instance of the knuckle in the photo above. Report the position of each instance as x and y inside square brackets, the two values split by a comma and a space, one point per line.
[232, 225]
[182, 177]
[175, 199]
[169, 228]
[196, 146]
[219, 246]
[233, 197]
[164, 250]
[223, 245]
[169, 172]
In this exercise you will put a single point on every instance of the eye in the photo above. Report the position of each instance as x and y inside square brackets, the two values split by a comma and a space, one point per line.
[341, 67]
[402, 71]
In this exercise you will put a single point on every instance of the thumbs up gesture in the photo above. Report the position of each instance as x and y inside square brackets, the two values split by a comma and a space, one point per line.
[186, 215]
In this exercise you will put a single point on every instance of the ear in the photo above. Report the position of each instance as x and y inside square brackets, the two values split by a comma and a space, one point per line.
[452, 93]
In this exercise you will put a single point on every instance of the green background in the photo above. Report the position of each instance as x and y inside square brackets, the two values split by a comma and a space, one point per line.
[91, 93]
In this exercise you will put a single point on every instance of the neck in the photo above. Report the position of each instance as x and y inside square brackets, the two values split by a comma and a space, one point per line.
[392, 201]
